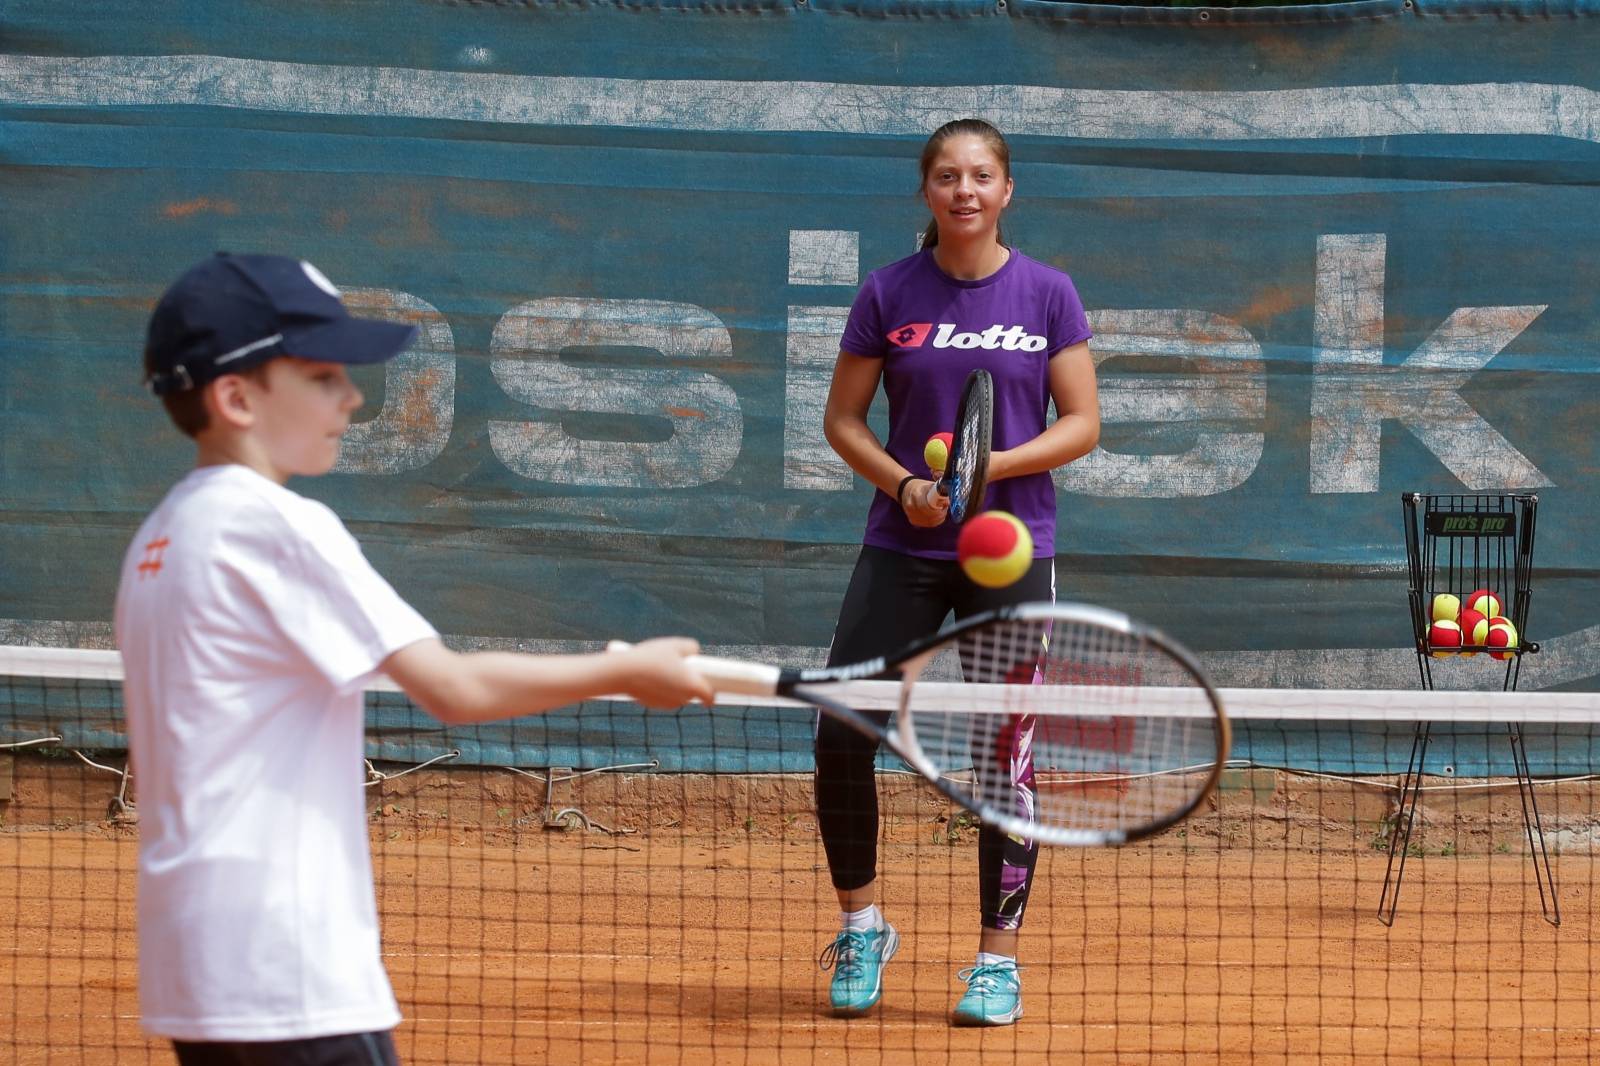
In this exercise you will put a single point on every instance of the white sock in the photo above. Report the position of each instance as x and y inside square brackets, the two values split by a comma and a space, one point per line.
[869, 917]
[989, 958]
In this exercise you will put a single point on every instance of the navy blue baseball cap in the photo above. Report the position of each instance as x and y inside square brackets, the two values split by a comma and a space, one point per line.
[232, 312]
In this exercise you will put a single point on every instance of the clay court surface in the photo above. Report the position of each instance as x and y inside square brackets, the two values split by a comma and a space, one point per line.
[687, 931]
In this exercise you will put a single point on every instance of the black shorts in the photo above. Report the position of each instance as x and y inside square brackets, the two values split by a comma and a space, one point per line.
[348, 1049]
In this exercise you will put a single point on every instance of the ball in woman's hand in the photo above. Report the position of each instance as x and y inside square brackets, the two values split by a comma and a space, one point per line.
[995, 549]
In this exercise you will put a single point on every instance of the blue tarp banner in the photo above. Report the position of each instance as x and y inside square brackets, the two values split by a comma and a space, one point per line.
[1332, 254]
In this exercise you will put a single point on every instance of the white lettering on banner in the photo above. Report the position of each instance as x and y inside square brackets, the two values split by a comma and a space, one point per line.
[1204, 428]
[810, 350]
[419, 392]
[810, 347]
[1353, 391]
[707, 426]
[824, 257]
[1218, 409]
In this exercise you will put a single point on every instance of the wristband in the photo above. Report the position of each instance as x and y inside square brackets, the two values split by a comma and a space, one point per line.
[900, 490]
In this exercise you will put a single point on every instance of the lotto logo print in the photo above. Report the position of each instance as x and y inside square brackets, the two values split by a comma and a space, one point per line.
[995, 338]
[1003, 338]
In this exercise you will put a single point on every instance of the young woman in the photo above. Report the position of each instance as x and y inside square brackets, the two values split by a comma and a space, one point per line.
[920, 326]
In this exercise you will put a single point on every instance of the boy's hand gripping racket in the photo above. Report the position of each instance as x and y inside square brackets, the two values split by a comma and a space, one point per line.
[966, 475]
[1074, 725]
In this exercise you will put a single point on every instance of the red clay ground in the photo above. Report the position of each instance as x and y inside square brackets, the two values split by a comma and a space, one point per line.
[1249, 935]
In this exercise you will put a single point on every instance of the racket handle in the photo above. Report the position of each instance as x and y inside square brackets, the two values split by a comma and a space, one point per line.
[727, 675]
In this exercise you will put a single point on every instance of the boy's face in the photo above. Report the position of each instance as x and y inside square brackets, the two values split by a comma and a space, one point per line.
[302, 408]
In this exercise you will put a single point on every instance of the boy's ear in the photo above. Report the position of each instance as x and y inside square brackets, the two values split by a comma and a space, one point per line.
[228, 402]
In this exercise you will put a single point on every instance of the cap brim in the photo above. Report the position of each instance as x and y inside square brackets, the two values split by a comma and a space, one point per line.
[351, 340]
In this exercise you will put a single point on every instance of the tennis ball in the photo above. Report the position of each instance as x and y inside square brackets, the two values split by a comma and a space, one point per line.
[937, 451]
[995, 549]
[1485, 602]
[1444, 638]
[1502, 634]
[1446, 607]
[1474, 629]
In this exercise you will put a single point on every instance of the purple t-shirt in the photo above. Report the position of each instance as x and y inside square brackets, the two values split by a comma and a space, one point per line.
[931, 331]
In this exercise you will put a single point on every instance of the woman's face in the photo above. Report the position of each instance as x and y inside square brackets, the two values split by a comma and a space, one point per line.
[966, 189]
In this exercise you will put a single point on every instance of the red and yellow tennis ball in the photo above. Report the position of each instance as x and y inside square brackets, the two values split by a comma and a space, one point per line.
[995, 549]
[1502, 635]
[1474, 629]
[1446, 607]
[1444, 638]
[937, 451]
[1484, 601]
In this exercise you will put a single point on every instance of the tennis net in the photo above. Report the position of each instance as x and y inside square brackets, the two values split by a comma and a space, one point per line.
[607, 884]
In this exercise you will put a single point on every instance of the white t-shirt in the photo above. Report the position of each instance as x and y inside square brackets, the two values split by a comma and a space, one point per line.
[248, 621]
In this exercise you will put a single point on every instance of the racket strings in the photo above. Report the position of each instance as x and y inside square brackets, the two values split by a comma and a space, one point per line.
[1070, 725]
[966, 459]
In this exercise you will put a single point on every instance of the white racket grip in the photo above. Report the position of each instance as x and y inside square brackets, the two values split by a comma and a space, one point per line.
[727, 675]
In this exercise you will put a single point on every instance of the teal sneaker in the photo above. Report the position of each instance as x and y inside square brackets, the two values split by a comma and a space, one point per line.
[993, 996]
[857, 958]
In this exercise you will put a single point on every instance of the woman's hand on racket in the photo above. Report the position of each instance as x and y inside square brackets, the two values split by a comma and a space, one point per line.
[658, 675]
[924, 504]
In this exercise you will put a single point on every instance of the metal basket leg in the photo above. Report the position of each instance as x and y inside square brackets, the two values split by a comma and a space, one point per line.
[1542, 874]
[1400, 832]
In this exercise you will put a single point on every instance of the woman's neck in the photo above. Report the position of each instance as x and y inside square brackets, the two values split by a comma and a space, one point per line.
[970, 262]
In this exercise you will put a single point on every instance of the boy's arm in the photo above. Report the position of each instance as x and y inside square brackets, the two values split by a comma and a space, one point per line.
[461, 687]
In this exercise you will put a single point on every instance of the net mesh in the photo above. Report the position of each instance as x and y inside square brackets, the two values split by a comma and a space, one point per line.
[609, 885]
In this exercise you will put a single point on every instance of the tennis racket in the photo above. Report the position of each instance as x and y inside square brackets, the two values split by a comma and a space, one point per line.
[966, 473]
[1072, 725]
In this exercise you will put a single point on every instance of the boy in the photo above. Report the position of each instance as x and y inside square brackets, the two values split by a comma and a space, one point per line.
[248, 621]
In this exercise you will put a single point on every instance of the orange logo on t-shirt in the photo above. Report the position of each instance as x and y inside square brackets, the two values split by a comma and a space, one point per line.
[150, 566]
